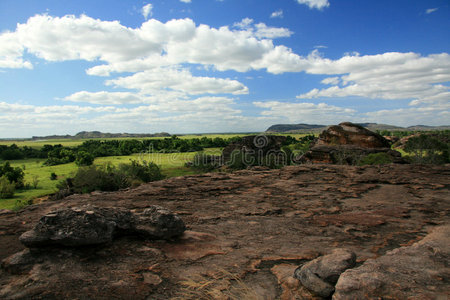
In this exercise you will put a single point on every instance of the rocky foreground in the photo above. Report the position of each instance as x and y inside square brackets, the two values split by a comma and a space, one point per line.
[361, 232]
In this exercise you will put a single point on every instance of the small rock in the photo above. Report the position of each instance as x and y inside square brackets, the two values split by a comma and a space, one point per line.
[19, 263]
[321, 274]
[151, 278]
[158, 222]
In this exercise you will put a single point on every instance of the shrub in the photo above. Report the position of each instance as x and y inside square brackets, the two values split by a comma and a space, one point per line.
[205, 162]
[92, 178]
[14, 175]
[53, 176]
[109, 178]
[84, 158]
[35, 181]
[145, 171]
[427, 149]
[376, 159]
[7, 188]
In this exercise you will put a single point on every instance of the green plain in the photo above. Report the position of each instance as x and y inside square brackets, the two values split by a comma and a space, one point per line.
[172, 164]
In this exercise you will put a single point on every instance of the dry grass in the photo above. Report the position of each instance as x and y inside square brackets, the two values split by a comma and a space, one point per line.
[221, 285]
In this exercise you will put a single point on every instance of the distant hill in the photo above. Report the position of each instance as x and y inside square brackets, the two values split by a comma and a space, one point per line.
[307, 128]
[100, 135]
[295, 128]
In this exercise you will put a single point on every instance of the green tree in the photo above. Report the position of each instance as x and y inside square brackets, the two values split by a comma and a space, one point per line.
[84, 158]
[14, 175]
[427, 149]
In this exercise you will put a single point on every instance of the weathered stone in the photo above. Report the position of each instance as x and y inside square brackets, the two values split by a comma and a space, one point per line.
[91, 226]
[70, 227]
[19, 263]
[320, 274]
[158, 222]
[256, 146]
[419, 271]
[347, 143]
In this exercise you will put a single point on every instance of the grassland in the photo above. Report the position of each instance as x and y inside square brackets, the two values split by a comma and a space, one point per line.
[172, 164]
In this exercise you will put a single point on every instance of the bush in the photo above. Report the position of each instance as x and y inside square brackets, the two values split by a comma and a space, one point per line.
[84, 158]
[427, 149]
[109, 178]
[53, 176]
[205, 162]
[92, 178]
[14, 175]
[7, 188]
[376, 159]
[145, 171]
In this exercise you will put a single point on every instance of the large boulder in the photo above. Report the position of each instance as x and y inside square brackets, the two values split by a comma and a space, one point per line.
[347, 143]
[255, 148]
[420, 271]
[321, 274]
[347, 133]
[93, 225]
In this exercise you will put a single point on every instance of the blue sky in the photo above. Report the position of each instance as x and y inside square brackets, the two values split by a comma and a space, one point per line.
[220, 66]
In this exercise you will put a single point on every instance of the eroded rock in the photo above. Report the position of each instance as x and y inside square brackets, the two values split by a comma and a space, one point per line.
[75, 227]
[347, 143]
[419, 271]
[159, 223]
[321, 274]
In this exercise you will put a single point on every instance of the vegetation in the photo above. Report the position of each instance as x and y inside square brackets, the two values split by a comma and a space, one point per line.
[13, 175]
[109, 177]
[7, 188]
[376, 159]
[427, 149]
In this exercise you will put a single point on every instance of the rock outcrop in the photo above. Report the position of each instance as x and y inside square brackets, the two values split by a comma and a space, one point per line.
[247, 231]
[255, 146]
[321, 274]
[76, 227]
[420, 271]
[347, 143]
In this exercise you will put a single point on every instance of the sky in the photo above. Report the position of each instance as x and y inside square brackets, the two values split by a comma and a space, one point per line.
[209, 66]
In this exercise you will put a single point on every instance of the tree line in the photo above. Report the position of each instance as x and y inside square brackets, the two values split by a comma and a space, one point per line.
[88, 150]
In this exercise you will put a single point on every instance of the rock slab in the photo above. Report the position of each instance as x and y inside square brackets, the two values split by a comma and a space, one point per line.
[321, 274]
[74, 227]
[420, 271]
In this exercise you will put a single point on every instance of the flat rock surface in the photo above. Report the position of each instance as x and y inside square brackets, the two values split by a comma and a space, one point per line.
[245, 232]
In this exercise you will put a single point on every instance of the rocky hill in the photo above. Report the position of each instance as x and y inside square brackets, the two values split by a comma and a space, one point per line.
[246, 235]
[100, 135]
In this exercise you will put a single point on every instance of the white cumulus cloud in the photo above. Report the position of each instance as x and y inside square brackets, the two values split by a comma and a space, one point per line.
[277, 14]
[392, 76]
[317, 4]
[147, 10]
[158, 79]
[431, 10]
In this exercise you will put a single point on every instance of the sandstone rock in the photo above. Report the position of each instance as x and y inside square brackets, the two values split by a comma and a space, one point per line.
[159, 223]
[347, 143]
[71, 227]
[347, 133]
[320, 274]
[19, 263]
[255, 145]
[91, 226]
[419, 271]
